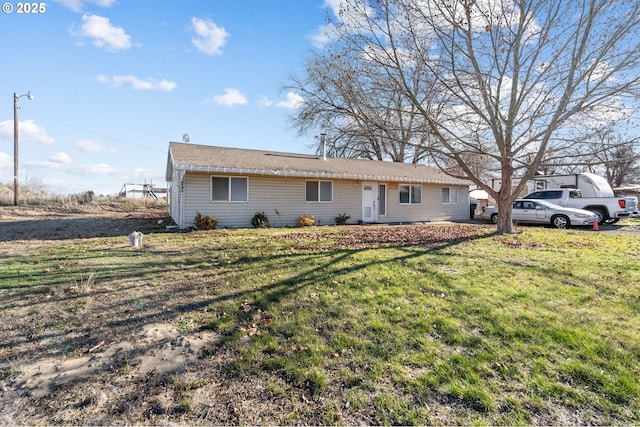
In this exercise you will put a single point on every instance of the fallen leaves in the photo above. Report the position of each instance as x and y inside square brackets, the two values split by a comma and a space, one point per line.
[360, 237]
[245, 306]
[259, 318]
[253, 330]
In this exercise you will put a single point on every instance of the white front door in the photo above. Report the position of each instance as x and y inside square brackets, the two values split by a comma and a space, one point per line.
[369, 202]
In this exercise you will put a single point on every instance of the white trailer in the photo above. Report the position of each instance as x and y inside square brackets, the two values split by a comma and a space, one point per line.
[590, 184]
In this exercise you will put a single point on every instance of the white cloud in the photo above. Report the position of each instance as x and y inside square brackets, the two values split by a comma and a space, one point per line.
[39, 164]
[58, 162]
[353, 15]
[209, 38]
[322, 36]
[101, 169]
[6, 168]
[61, 157]
[230, 98]
[334, 5]
[6, 129]
[265, 102]
[136, 83]
[90, 146]
[103, 34]
[63, 178]
[5, 160]
[97, 169]
[78, 5]
[28, 130]
[293, 101]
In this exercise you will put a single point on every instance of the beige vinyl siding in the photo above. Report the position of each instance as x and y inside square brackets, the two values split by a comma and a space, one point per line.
[281, 199]
[176, 198]
[455, 211]
[347, 198]
[431, 208]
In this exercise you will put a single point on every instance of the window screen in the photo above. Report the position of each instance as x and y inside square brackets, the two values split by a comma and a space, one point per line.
[319, 191]
[219, 189]
[226, 189]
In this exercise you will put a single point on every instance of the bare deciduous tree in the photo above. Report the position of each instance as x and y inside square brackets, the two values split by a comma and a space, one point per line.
[610, 154]
[363, 115]
[507, 81]
[616, 156]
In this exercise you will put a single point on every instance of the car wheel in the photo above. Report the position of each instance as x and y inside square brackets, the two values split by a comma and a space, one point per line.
[494, 218]
[599, 214]
[560, 221]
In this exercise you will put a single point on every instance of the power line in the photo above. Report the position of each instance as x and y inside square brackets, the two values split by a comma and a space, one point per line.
[121, 141]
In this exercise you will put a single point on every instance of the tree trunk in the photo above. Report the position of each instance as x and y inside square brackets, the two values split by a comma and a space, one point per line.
[505, 203]
[505, 224]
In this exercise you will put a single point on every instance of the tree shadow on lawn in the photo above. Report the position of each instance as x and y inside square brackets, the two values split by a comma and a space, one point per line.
[55, 322]
[59, 287]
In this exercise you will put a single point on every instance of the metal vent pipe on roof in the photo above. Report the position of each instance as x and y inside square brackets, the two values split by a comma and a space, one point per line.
[323, 142]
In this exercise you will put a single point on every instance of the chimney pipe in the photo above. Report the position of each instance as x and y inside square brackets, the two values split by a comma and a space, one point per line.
[323, 142]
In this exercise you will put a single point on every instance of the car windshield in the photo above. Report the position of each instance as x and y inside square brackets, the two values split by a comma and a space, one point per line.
[548, 204]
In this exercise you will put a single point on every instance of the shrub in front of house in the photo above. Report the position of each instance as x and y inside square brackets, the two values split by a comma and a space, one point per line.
[205, 222]
[305, 221]
[342, 219]
[260, 220]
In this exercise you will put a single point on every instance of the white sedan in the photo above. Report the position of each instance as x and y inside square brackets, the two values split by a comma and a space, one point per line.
[543, 212]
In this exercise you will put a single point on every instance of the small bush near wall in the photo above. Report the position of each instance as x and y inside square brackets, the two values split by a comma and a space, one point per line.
[260, 220]
[205, 222]
[305, 221]
[342, 219]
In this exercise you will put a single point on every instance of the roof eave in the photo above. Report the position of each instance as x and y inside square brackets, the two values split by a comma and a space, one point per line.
[317, 175]
[170, 165]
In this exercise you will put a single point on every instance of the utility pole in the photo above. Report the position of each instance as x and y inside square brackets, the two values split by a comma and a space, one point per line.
[15, 149]
[15, 143]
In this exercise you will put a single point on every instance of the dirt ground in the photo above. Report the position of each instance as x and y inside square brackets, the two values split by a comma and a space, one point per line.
[18, 223]
[29, 382]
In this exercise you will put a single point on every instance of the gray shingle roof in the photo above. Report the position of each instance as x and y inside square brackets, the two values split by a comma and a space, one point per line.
[205, 158]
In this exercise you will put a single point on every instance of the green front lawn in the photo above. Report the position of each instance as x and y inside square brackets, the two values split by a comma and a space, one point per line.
[327, 326]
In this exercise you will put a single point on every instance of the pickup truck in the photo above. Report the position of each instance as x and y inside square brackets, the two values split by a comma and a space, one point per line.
[632, 205]
[608, 209]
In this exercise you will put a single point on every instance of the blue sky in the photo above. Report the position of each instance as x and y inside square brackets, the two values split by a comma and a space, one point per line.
[114, 81]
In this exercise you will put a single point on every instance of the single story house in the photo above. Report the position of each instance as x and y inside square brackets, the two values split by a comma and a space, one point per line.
[234, 184]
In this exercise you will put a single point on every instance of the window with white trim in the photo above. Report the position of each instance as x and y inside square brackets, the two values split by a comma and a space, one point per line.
[319, 191]
[449, 195]
[410, 194]
[382, 199]
[229, 189]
